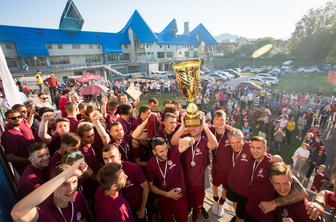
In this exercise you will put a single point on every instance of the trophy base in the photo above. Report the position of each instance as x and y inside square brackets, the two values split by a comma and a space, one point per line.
[192, 122]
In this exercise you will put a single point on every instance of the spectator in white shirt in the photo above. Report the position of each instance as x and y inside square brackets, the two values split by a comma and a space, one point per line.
[299, 158]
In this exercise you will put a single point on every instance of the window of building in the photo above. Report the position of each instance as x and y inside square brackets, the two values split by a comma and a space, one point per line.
[35, 61]
[186, 54]
[90, 46]
[126, 46]
[160, 46]
[125, 56]
[12, 63]
[160, 55]
[111, 57]
[98, 46]
[169, 46]
[92, 59]
[59, 60]
[170, 54]
[195, 55]
[76, 46]
[60, 46]
[9, 46]
[49, 46]
[148, 46]
[180, 53]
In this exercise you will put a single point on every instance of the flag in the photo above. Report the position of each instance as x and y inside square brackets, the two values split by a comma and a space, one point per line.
[11, 91]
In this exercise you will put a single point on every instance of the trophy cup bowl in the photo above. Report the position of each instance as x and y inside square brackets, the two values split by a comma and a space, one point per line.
[188, 79]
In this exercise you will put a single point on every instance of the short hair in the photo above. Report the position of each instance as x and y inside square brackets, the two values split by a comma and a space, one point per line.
[41, 93]
[280, 168]
[169, 115]
[157, 141]
[84, 127]
[65, 91]
[59, 169]
[113, 124]
[259, 139]
[109, 147]
[44, 110]
[143, 109]
[169, 110]
[36, 146]
[70, 139]
[108, 175]
[166, 102]
[111, 105]
[11, 111]
[236, 133]
[61, 119]
[70, 107]
[219, 113]
[82, 105]
[89, 110]
[153, 100]
[18, 106]
[125, 109]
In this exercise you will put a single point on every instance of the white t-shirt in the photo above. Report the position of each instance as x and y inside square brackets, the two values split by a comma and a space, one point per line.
[300, 152]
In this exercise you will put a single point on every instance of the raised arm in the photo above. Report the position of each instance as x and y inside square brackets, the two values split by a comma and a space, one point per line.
[25, 210]
[212, 141]
[43, 128]
[94, 116]
[103, 106]
[138, 131]
[179, 132]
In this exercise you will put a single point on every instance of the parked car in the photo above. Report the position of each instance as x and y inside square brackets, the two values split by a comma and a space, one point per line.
[249, 85]
[228, 75]
[259, 81]
[326, 67]
[261, 75]
[273, 80]
[232, 72]
[218, 76]
[208, 78]
[307, 69]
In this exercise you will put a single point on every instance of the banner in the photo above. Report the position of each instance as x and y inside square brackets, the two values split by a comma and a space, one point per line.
[11, 91]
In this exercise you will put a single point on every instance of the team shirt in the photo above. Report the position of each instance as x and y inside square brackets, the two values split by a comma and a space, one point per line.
[296, 211]
[73, 124]
[90, 158]
[110, 208]
[133, 191]
[194, 168]
[31, 179]
[174, 173]
[75, 211]
[260, 189]
[124, 147]
[240, 170]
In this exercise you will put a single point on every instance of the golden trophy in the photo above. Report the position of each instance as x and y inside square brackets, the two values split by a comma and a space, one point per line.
[188, 79]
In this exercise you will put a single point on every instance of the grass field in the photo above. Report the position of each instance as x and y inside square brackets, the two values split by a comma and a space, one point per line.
[306, 82]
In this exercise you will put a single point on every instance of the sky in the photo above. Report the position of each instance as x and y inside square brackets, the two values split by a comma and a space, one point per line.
[248, 18]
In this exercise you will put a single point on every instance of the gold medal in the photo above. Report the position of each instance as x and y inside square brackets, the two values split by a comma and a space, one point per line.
[193, 163]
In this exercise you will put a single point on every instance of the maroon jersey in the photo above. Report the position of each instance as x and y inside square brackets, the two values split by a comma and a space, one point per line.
[260, 189]
[220, 154]
[174, 177]
[240, 170]
[15, 142]
[318, 180]
[73, 124]
[329, 198]
[54, 144]
[90, 158]
[108, 208]
[55, 160]
[124, 147]
[98, 145]
[31, 179]
[126, 125]
[194, 168]
[49, 212]
[26, 130]
[296, 211]
[133, 191]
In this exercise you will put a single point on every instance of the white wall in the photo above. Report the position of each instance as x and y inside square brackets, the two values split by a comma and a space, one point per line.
[9, 53]
[68, 50]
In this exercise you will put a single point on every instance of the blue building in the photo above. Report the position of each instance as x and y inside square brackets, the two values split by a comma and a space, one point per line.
[70, 51]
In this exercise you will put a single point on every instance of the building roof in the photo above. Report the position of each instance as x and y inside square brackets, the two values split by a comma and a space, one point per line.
[170, 29]
[71, 19]
[204, 34]
[33, 41]
[176, 39]
[142, 31]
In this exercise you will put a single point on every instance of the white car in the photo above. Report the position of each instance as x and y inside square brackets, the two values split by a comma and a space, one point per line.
[307, 69]
[272, 80]
[218, 76]
[259, 81]
[261, 75]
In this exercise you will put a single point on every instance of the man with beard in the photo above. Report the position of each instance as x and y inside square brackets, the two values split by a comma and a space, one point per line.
[136, 189]
[36, 173]
[15, 141]
[64, 204]
[166, 179]
[194, 162]
[109, 203]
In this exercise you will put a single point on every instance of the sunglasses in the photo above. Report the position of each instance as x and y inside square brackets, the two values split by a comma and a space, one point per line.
[44, 98]
[74, 156]
[15, 118]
